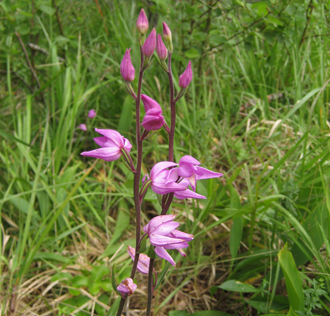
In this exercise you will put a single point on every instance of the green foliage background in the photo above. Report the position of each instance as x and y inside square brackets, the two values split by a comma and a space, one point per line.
[256, 110]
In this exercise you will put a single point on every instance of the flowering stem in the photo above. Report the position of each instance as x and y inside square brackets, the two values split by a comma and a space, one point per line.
[150, 286]
[137, 176]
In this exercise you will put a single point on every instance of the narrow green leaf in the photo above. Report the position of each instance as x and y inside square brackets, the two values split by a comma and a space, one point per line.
[291, 312]
[114, 307]
[293, 281]
[126, 116]
[122, 222]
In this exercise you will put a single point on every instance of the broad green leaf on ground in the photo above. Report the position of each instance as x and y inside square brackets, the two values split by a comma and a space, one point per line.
[237, 286]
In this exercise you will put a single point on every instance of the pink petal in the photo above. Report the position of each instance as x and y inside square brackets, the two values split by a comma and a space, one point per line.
[159, 220]
[113, 135]
[179, 245]
[107, 154]
[190, 160]
[162, 253]
[105, 142]
[188, 194]
[160, 166]
[172, 176]
[207, 174]
[181, 235]
[166, 228]
[157, 240]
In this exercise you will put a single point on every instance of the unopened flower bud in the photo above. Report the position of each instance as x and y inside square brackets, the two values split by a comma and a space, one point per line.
[92, 113]
[149, 45]
[167, 33]
[186, 77]
[126, 68]
[142, 24]
[161, 48]
[126, 287]
[82, 127]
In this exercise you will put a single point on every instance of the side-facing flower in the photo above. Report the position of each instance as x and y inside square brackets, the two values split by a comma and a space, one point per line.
[161, 48]
[127, 70]
[153, 120]
[149, 45]
[83, 127]
[163, 235]
[143, 263]
[126, 287]
[142, 23]
[113, 144]
[187, 173]
[186, 77]
[92, 113]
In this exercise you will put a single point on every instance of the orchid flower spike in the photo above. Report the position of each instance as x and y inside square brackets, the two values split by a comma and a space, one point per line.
[83, 127]
[92, 113]
[142, 23]
[127, 70]
[163, 235]
[143, 263]
[149, 45]
[126, 287]
[153, 119]
[186, 77]
[161, 48]
[113, 145]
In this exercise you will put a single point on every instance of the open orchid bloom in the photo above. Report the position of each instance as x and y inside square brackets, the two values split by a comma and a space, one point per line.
[126, 287]
[163, 235]
[188, 173]
[144, 260]
[158, 176]
[112, 144]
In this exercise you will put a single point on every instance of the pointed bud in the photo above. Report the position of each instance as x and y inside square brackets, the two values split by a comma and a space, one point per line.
[82, 127]
[149, 45]
[186, 77]
[142, 24]
[126, 287]
[167, 33]
[92, 113]
[161, 48]
[126, 68]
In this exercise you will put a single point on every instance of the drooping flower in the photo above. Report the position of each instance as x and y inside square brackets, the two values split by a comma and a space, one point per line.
[113, 144]
[186, 77]
[149, 45]
[143, 263]
[142, 23]
[161, 48]
[92, 113]
[83, 127]
[126, 287]
[127, 70]
[153, 120]
[163, 235]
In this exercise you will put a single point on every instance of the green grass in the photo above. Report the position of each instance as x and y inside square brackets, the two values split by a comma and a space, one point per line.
[59, 211]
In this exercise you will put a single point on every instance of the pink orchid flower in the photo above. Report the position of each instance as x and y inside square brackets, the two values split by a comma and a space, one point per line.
[112, 144]
[163, 235]
[126, 287]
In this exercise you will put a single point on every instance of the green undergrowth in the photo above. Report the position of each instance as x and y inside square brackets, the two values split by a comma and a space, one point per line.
[256, 111]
